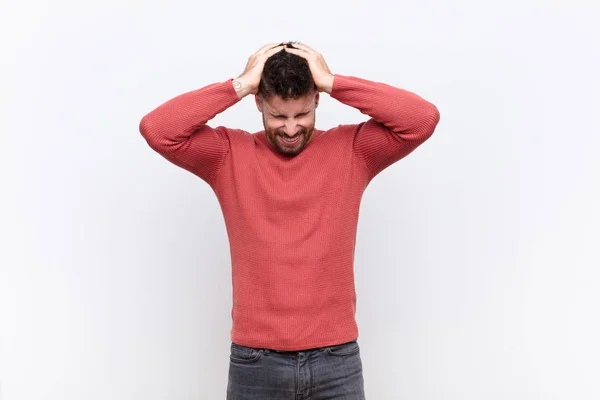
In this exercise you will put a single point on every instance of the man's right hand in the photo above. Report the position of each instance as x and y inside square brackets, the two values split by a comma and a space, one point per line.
[247, 82]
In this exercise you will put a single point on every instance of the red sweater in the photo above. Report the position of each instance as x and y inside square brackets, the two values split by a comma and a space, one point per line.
[291, 222]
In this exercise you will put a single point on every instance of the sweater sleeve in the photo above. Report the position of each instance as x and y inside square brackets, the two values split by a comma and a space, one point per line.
[400, 120]
[177, 129]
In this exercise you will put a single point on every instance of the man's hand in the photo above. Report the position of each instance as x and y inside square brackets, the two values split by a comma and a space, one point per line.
[318, 67]
[247, 82]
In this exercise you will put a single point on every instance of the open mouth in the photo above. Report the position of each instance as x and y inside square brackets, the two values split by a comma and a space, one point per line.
[290, 141]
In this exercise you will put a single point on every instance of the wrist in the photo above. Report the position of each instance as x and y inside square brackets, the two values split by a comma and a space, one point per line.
[328, 84]
[241, 87]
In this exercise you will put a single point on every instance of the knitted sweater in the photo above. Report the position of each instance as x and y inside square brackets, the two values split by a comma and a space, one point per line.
[291, 221]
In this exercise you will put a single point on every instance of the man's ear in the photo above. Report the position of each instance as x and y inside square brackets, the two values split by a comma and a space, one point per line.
[258, 101]
[317, 100]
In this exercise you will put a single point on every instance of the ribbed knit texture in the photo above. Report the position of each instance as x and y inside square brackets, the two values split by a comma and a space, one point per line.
[291, 222]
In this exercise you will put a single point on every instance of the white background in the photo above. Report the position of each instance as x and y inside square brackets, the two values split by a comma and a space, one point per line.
[477, 258]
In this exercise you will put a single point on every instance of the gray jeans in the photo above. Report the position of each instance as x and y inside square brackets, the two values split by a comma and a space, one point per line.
[325, 373]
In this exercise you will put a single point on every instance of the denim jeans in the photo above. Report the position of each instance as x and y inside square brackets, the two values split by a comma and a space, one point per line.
[325, 373]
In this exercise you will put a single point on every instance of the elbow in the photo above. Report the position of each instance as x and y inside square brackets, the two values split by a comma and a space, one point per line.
[150, 132]
[430, 120]
[145, 126]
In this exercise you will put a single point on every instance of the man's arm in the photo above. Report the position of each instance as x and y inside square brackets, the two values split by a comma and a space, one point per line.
[177, 129]
[400, 120]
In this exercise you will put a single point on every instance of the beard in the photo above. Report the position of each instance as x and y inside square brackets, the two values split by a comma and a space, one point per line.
[290, 149]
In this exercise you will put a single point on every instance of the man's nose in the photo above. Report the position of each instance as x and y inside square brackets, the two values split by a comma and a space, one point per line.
[290, 127]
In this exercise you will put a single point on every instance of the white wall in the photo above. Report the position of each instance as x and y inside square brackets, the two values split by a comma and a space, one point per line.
[477, 259]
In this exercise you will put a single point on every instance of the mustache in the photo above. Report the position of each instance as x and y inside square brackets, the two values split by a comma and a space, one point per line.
[300, 132]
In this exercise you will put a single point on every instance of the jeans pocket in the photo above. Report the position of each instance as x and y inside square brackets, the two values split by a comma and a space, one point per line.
[345, 349]
[244, 355]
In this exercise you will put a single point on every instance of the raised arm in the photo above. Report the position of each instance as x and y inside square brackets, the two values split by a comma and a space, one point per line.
[400, 120]
[177, 129]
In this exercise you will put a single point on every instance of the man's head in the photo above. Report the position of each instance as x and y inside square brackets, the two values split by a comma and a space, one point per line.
[287, 98]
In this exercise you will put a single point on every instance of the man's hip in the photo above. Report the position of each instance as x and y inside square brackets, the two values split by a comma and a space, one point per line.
[323, 373]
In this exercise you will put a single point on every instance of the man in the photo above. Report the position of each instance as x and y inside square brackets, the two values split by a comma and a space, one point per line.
[290, 196]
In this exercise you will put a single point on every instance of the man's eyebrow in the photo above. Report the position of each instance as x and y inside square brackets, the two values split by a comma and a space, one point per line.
[281, 115]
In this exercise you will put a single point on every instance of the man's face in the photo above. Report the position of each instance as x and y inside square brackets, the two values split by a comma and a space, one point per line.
[289, 124]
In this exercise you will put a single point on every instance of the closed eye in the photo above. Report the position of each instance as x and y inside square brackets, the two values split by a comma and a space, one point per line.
[284, 117]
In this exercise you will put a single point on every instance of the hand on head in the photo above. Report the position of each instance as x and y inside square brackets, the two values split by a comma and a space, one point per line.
[249, 80]
[318, 67]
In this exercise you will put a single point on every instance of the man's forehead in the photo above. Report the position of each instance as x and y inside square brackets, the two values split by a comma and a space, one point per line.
[278, 105]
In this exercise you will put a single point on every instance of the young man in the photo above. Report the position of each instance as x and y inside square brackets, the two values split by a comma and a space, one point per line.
[290, 196]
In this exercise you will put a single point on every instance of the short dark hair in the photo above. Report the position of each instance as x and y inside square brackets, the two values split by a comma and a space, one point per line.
[286, 75]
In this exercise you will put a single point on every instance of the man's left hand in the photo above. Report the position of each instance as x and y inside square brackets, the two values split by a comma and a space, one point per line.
[318, 67]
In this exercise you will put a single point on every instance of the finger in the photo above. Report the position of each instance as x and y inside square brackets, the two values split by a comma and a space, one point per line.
[272, 51]
[266, 48]
[305, 47]
[299, 52]
[293, 50]
[276, 46]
